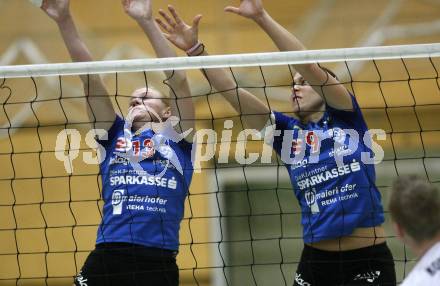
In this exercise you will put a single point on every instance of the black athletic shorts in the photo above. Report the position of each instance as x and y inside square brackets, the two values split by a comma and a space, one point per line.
[128, 264]
[369, 266]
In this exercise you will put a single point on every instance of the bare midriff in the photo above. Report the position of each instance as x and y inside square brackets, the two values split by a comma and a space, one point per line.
[359, 238]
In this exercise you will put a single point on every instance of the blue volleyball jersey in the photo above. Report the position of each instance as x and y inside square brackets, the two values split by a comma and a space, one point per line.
[143, 208]
[334, 198]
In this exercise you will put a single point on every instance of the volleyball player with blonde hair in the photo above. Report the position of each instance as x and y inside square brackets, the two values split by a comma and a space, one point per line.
[138, 238]
[342, 213]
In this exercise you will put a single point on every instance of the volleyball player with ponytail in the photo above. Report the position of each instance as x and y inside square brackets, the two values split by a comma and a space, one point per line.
[342, 213]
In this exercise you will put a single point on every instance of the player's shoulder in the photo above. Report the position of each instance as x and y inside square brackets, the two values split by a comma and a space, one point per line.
[420, 277]
[427, 270]
[430, 262]
[280, 115]
[185, 145]
[282, 120]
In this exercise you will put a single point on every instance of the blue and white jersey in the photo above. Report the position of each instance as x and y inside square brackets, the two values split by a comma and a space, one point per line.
[143, 208]
[336, 190]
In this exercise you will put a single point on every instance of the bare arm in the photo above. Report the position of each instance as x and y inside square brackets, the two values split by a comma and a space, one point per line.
[141, 12]
[101, 109]
[185, 37]
[335, 94]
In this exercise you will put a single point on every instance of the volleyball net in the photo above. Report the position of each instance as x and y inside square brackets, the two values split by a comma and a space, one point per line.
[242, 220]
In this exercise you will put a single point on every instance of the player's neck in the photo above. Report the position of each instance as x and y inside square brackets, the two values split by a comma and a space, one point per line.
[314, 114]
[307, 117]
[140, 126]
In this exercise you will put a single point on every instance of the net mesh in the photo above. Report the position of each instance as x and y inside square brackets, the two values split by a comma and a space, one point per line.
[241, 223]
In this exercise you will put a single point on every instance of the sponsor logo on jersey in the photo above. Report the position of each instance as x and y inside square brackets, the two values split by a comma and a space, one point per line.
[313, 178]
[337, 134]
[137, 202]
[117, 199]
[310, 196]
[144, 180]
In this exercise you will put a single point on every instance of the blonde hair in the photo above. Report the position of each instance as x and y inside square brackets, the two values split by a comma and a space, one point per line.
[162, 96]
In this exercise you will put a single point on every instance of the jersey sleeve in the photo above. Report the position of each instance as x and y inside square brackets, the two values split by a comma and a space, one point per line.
[117, 125]
[351, 117]
[278, 119]
[281, 121]
[186, 147]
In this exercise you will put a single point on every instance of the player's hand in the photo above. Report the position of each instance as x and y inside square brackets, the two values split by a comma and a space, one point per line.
[138, 9]
[58, 10]
[177, 31]
[251, 9]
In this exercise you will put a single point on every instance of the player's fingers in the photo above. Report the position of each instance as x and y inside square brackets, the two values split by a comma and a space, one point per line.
[44, 5]
[164, 26]
[167, 18]
[125, 4]
[196, 21]
[175, 15]
[232, 9]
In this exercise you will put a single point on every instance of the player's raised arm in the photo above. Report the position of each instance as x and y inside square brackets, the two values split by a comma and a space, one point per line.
[141, 12]
[102, 112]
[185, 37]
[334, 93]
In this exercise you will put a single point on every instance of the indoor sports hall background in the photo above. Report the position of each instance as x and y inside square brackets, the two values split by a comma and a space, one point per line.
[230, 235]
